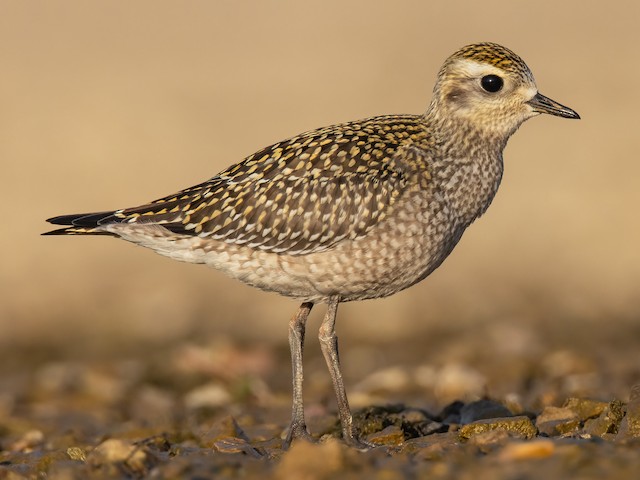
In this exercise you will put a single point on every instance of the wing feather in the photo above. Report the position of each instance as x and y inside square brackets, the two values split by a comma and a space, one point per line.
[298, 196]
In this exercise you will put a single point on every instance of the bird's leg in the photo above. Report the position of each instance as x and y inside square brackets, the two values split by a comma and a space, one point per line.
[298, 426]
[329, 344]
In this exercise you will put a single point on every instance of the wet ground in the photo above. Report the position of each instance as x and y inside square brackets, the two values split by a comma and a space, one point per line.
[545, 400]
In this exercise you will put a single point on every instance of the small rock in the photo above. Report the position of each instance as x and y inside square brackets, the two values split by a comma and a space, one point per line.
[451, 413]
[608, 422]
[555, 421]
[630, 425]
[77, 453]
[540, 448]
[389, 379]
[585, 408]
[482, 409]
[516, 426]
[306, 460]
[28, 441]
[114, 451]
[456, 381]
[392, 435]
[435, 443]
[211, 395]
[489, 438]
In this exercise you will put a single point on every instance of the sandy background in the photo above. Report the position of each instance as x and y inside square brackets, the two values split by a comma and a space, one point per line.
[110, 104]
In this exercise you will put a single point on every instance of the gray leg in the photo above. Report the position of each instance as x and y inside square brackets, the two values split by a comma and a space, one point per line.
[298, 426]
[329, 345]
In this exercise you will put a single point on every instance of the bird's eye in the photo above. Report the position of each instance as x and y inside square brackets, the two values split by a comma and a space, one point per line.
[492, 83]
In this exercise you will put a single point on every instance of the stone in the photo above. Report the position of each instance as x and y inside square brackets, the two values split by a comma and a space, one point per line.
[585, 408]
[306, 460]
[630, 425]
[520, 426]
[555, 421]
[539, 448]
[607, 422]
[391, 435]
[113, 451]
[210, 395]
[482, 409]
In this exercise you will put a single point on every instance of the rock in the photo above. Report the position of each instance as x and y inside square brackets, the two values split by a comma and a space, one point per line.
[539, 448]
[77, 453]
[585, 408]
[555, 421]
[391, 379]
[412, 422]
[456, 381]
[630, 425]
[310, 461]
[431, 445]
[482, 409]
[489, 439]
[520, 426]
[608, 422]
[450, 415]
[113, 452]
[211, 395]
[391, 435]
[28, 441]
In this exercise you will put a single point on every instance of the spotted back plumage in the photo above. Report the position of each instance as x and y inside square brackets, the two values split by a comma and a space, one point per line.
[298, 196]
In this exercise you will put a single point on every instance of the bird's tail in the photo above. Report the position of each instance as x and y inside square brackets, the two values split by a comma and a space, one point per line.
[82, 223]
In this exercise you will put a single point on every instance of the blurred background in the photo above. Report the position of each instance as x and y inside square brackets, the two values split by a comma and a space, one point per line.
[110, 104]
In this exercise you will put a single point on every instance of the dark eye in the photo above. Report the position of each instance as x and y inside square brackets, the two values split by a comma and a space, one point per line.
[491, 83]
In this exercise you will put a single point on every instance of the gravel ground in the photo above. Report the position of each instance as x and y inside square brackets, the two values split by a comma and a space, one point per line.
[551, 400]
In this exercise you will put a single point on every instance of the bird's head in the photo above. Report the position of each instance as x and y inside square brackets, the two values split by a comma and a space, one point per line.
[490, 87]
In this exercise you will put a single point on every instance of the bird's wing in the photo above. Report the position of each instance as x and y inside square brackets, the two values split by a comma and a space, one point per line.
[298, 196]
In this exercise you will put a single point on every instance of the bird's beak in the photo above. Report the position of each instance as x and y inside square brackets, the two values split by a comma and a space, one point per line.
[542, 104]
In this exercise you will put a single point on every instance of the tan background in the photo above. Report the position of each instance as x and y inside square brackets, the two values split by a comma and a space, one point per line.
[108, 104]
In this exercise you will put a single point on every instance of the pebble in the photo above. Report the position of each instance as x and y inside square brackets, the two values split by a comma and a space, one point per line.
[391, 379]
[28, 441]
[520, 426]
[482, 409]
[489, 439]
[309, 461]
[77, 453]
[391, 435]
[540, 448]
[555, 421]
[585, 408]
[630, 425]
[607, 422]
[210, 395]
[114, 451]
[455, 381]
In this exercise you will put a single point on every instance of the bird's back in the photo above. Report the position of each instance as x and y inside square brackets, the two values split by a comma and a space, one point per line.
[298, 196]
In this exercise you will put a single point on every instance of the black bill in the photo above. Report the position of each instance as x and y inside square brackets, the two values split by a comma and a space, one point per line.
[542, 104]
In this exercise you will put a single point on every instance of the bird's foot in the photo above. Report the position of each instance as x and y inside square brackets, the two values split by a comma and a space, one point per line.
[357, 442]
[297, 432]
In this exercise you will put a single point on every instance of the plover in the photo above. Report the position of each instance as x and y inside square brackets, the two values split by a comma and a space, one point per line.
[348, 212]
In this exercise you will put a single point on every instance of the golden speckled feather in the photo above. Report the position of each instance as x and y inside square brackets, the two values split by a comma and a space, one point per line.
[298, 196]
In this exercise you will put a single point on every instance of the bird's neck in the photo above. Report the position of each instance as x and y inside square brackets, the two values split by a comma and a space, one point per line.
[468, 167]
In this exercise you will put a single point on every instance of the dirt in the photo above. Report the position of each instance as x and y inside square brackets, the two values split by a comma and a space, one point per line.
[219, 409]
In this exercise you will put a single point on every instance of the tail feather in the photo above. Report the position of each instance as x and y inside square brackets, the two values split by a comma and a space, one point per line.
[82, 223]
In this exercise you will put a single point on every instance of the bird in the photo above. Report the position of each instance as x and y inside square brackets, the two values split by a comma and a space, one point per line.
[353, 211]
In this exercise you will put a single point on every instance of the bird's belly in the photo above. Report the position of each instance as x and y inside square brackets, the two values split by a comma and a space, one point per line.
[405, 248]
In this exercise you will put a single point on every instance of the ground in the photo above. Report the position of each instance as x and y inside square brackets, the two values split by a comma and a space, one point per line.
[550, 400]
